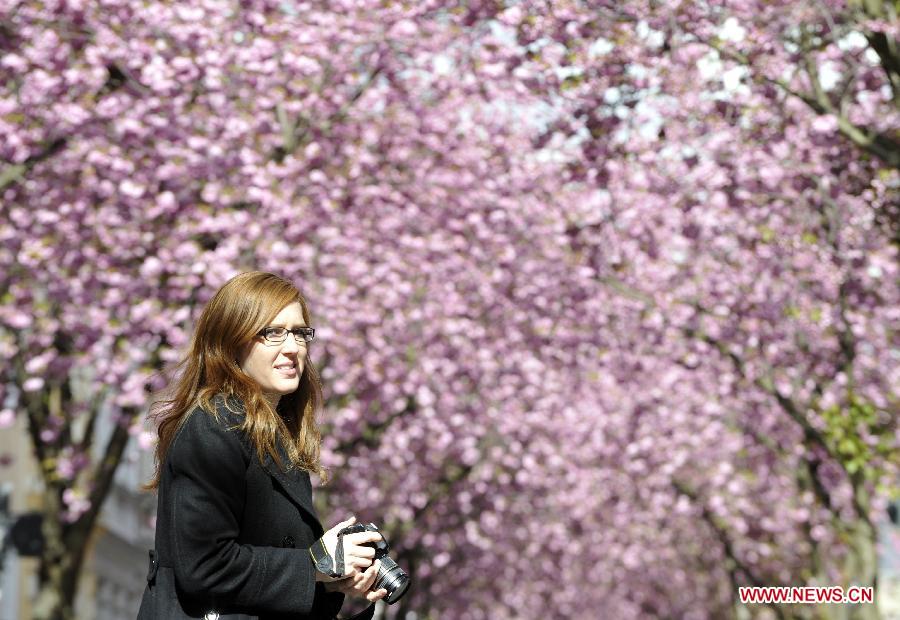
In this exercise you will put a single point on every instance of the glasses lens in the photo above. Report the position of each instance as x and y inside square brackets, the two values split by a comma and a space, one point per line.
[275, 334]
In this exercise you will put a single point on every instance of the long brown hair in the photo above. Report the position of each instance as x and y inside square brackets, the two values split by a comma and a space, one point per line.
[231, 320]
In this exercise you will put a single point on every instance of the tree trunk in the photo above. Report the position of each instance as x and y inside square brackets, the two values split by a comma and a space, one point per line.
[861, 567]
[65, 546]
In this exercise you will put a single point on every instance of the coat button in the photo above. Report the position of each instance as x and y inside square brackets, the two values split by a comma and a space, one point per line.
[287, 541]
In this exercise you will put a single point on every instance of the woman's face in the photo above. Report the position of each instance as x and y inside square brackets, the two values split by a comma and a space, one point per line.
[277, 367]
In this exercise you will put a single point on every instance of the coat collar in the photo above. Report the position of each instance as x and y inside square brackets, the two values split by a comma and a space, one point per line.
[295, 483]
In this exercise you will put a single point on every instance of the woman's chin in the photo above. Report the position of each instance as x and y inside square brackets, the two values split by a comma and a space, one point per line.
[288, 387]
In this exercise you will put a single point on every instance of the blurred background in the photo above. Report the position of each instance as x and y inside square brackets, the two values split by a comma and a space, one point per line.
[606, 293]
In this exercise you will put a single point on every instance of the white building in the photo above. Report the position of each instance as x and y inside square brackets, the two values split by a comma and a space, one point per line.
[115, 566]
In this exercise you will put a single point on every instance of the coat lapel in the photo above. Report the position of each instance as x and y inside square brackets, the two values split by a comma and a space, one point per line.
[295, 483]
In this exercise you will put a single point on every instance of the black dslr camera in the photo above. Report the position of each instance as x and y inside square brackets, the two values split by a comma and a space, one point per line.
[390, 576]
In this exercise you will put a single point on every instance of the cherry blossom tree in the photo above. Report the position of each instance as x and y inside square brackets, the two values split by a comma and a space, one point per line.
[741, 159]
[606, 293]
[155, 150]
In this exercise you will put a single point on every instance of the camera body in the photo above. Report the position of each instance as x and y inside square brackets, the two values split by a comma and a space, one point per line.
[390, 576]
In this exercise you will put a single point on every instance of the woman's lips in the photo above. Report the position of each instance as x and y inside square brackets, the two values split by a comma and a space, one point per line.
[287, 371]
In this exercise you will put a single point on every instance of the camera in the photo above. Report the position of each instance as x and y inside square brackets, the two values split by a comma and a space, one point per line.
[390, 576]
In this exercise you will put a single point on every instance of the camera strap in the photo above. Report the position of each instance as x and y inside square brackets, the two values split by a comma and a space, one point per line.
[333, 567]
[339, 555]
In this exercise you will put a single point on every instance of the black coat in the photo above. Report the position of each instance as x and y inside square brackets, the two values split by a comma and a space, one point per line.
[232, 533]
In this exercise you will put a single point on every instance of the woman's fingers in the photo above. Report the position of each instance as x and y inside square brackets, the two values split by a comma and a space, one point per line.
[360, 583]
[368, 578]
[376, 595]
[357, 556]
[337, 528]
[329, 539]
[360, 564]
[361, 538]
[358, 551]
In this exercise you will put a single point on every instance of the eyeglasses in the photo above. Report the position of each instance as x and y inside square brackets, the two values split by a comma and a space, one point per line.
[277, 335]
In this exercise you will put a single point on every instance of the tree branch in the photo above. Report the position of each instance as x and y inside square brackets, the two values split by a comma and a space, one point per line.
[105, 470]
[370, 433]
[882, 44]
[727, 547]
[87, 438]
[13, 173]
[442, 486]
[886, 49]
[878, 144]
[767, 384]
[811, 463]
[292, 138]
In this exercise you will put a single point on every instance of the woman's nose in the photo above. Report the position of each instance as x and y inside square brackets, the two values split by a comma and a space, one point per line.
[290, 345]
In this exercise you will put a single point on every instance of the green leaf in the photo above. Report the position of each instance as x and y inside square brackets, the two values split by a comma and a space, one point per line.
[848, 447]
[792, 312]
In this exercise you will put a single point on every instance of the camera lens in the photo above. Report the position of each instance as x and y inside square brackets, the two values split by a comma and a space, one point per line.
[392, 578]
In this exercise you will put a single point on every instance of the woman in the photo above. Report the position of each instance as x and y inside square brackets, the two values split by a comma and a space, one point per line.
[237, 440]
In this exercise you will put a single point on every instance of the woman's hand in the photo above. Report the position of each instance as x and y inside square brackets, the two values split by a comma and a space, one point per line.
[358, 584]
[356, 556]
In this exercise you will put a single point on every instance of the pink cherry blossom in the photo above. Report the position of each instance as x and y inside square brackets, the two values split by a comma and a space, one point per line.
[610, 279]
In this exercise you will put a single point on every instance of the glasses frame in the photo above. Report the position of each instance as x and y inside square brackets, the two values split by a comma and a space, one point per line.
[302, 335]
